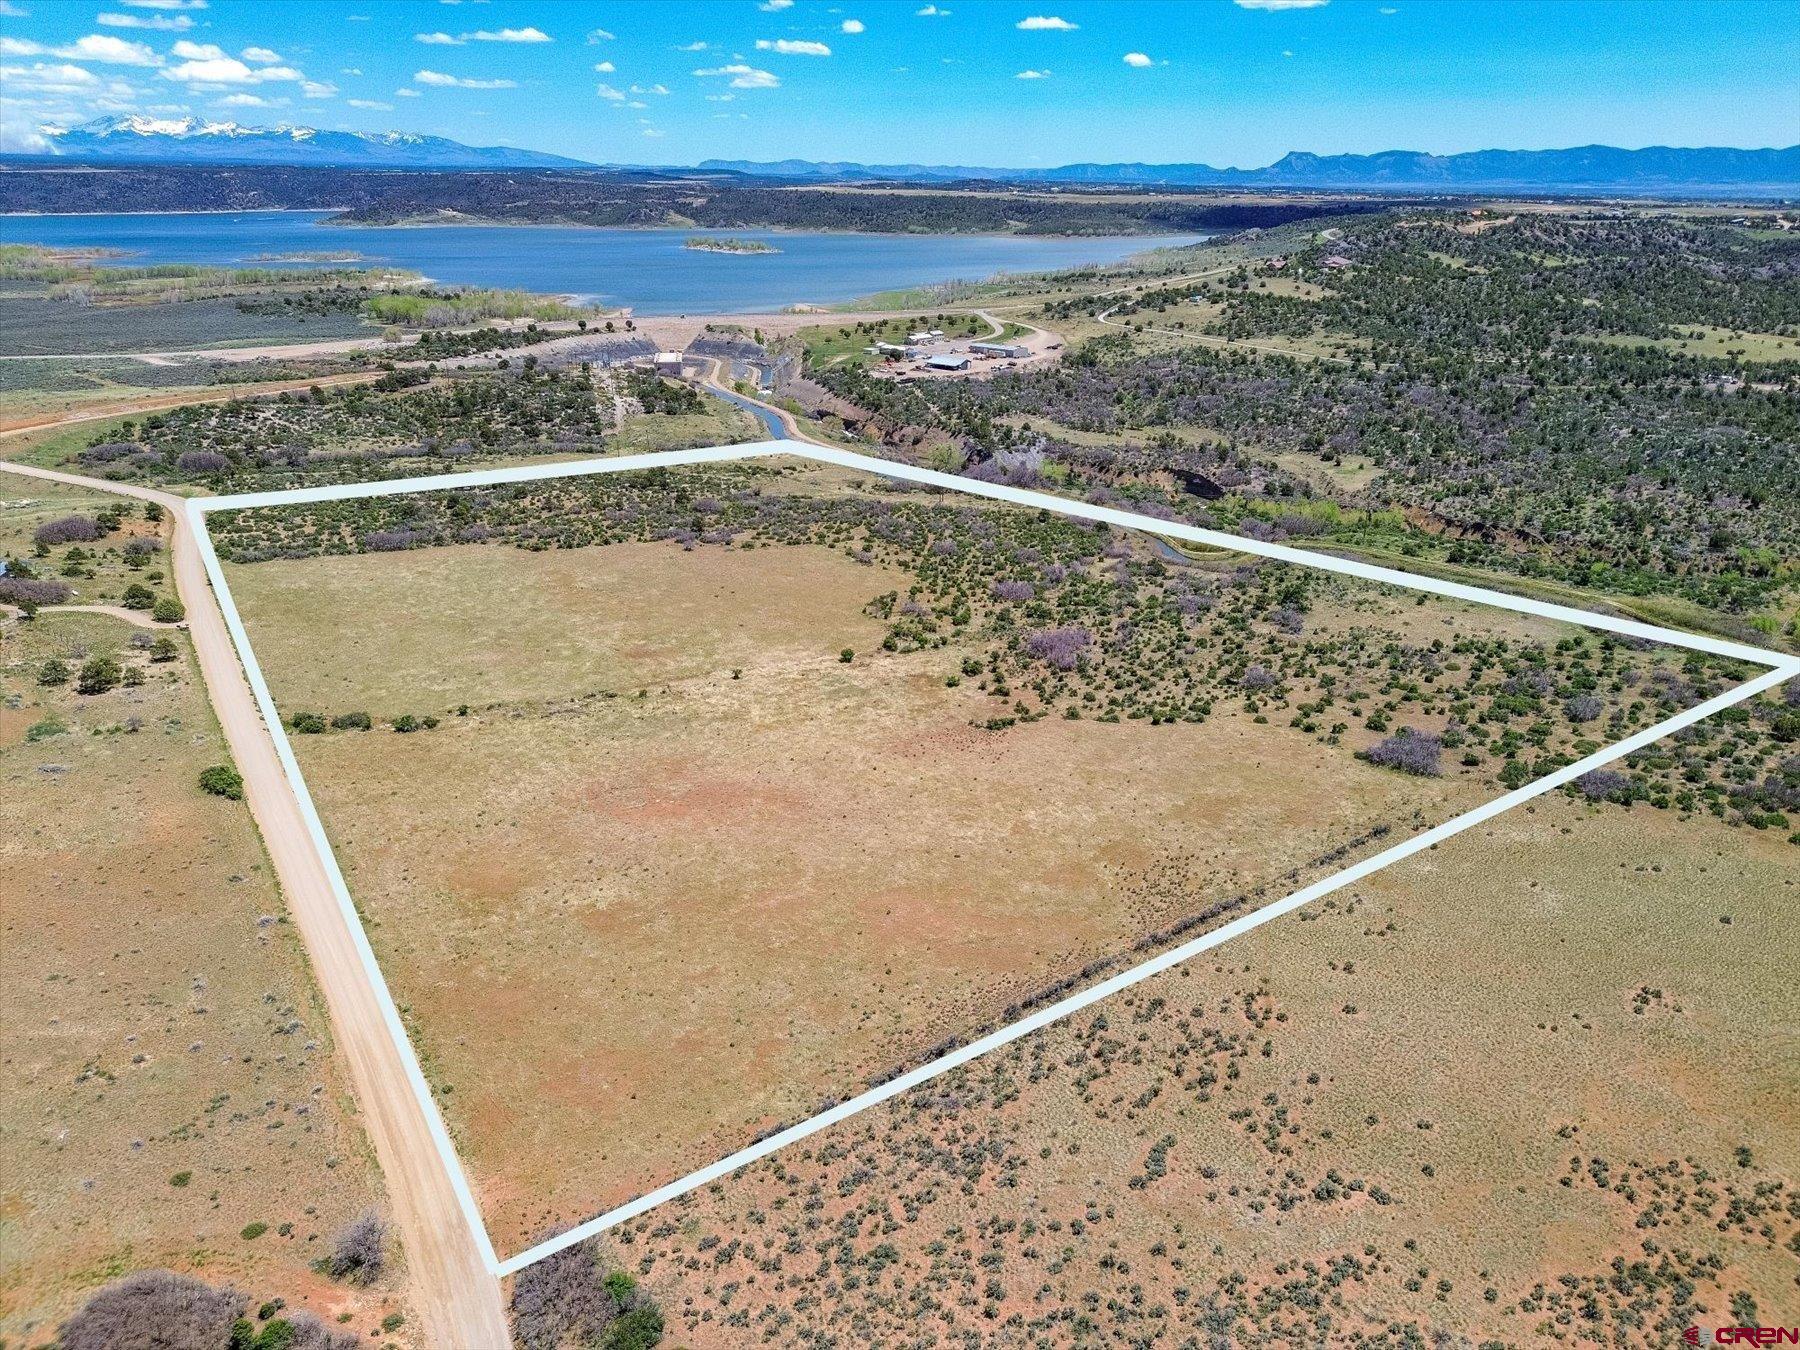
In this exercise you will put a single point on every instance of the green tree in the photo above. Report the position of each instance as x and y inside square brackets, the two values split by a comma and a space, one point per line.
[221, 780]
[164, 649]
[639, 1329]
[53, 672]
[98, 674]
[138, 596]
[168, 610]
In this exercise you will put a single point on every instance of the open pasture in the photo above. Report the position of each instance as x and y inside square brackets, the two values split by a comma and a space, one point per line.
[667, 871]
[173, 1095]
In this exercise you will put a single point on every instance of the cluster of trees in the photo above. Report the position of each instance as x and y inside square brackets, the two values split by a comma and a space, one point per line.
[570, 1298]
[161, 1310]
[1055, 617]
[404, 422]
[1510, 395]
[654, 394]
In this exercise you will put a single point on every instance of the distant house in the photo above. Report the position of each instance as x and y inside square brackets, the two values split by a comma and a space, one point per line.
[668, 363]
[1337, 262]
[920, 336]
[1012, 351]
[947, 361]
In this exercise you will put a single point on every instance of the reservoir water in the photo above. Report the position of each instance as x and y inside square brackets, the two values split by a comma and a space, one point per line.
[649, 270]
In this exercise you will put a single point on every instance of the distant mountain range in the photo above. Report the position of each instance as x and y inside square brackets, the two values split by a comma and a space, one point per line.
[188, 140]
[1586, 169]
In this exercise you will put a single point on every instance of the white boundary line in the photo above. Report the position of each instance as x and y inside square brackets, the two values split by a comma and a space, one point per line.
[1781, 669]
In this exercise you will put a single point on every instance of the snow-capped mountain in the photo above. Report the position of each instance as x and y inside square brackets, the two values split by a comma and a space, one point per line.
[192, 140]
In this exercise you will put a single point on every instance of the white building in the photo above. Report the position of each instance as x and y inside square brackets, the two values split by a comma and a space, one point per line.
[668, 363]
[947, 361]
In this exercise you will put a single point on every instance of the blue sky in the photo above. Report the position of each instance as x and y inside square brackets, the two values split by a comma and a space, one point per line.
[982, 82]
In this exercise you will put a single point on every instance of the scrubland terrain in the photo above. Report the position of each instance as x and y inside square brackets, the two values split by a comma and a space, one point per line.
[387, 425]
[771, 713]
[1534, 1087]
[1595, 399]
[174, 1098]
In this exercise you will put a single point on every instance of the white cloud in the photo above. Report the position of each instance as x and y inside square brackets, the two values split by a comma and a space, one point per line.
[164, 4]
[743, 76]
[1287, 53]
[406, 93]
[791, 48]
[607, 91]
[1273, 5]
[1032, 75]
[262, 56]
[604, 68]
[527, 34]
[8, 10]
[654, 131]
[227, 70]
[649, 89]
[43, 77]
[692, 47]
[371, 104]
[721, 98]
[598, 35]
[439, 80]
[197, 51]
[1387, 9]
[318, 89]
[1138, 59]
[162, 23]
[775, 6]
[1046, 23]
[441, 39]
[101, 47]
[852, 26]
[351, 70]
[245, 101]
[932, 12]
[637, 103]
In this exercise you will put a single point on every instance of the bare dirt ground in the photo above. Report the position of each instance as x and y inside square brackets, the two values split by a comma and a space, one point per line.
[171, 1073]
[1535, 1087]
[604, 892]
[458, 1302]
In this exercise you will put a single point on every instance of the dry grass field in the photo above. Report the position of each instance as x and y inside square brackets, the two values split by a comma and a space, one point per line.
[679, 874]
[1536, 1087]
[170, 1074]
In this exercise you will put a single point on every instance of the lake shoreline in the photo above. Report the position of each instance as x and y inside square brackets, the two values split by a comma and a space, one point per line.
[329, 219]
[643, 270]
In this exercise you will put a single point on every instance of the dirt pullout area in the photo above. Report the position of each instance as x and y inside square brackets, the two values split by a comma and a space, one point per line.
[680, 873]
[1542, 1077]
[172, 1078]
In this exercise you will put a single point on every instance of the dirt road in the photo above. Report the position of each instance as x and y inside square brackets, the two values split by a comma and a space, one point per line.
[134, 616]
[456, 1300]
[99, 412]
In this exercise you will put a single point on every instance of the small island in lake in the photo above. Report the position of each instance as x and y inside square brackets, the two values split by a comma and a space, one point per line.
[711, 245]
